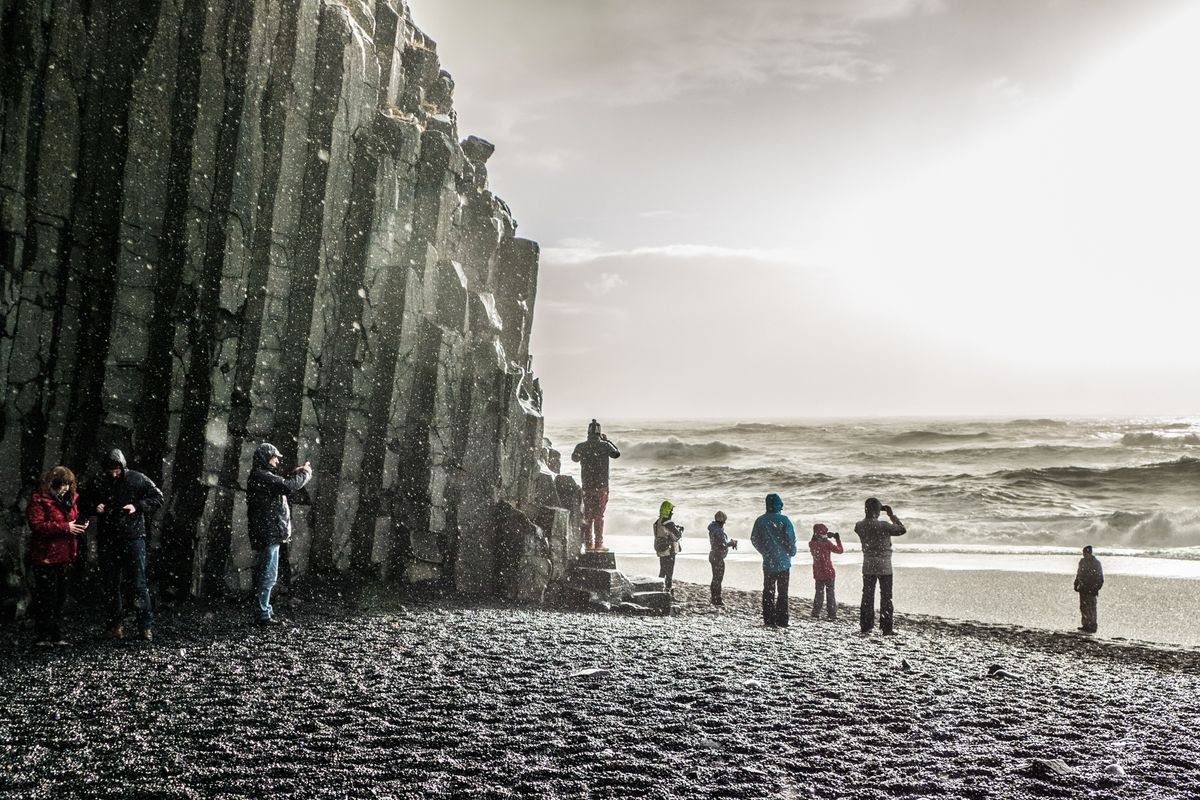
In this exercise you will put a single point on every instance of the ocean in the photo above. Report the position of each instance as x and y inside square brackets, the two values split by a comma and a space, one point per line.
[1011, 486]
[997, 510]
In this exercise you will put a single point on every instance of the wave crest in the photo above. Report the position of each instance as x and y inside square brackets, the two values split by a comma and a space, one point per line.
[673, 449]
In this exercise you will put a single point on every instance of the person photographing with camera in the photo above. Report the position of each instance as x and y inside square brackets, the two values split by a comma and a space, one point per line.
[719, 545]
[666, 542]
[876, 537]
[822, 546]
[593, 456]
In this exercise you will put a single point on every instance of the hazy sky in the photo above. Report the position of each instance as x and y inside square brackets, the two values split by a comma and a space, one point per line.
[845, 207]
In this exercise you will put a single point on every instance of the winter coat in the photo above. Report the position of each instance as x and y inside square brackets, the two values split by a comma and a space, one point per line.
[129, 488]
[1090, 575]
[774, 537]
[822, 549]
[593, 456]
[51, 540]
[666, 538]
[268, 512]
[876, 537]
[718, 541]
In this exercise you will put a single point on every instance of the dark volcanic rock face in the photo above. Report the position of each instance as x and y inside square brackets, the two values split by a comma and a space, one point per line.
[228, 222]
[441, 700]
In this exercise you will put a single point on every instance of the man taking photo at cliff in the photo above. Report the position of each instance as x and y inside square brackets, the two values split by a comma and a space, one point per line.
[593, 455]
[269, 521]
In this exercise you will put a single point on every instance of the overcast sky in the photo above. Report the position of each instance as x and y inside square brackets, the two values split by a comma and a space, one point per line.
[785, 208]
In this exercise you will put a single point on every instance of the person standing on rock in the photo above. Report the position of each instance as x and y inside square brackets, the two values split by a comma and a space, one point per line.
[666, 543]
[269, 521]
[53, 547]
[123, 498]
[774, 537]
[876, 537]
[593, 456]
[719, 545]
[822, 546]
[1088, 580]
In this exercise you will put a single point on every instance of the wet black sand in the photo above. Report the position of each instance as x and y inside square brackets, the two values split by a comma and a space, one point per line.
[435, 699]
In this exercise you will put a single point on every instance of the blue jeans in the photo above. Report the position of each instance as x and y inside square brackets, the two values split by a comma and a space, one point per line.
[266, 572]
[120, 562]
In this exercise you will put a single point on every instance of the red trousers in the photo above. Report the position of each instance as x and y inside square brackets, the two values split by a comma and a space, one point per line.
[594, 503]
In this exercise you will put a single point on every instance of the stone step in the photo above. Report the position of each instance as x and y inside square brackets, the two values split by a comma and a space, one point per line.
[645, 583]
[598, 560]
[610, 583]
[659, 601]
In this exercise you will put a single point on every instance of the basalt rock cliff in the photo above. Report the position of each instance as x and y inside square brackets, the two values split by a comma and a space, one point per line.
[234, 221]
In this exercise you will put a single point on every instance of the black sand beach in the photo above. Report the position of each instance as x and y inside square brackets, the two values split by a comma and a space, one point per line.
[441, 699]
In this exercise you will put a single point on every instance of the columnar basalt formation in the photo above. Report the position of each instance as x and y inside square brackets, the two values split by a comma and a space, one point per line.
[246, 220]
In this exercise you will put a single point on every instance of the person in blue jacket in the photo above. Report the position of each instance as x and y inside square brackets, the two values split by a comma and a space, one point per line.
[775, 538]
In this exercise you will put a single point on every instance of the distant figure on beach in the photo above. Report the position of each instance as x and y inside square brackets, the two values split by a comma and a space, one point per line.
[719, 545]
[54, 544]
[1088, 580]
[822, 547]
[269, 521]
[593, 456]
[122, 498]
[774, 537]
[666, 542]
[876, 537]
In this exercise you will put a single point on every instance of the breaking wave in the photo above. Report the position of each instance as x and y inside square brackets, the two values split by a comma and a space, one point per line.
[672, 449]
[1157, 439]
[918, 438]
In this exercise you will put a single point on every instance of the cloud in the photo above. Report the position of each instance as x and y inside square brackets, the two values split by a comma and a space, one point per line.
[605, 283]
[1005, 90]
[585, 251]
[622, 53]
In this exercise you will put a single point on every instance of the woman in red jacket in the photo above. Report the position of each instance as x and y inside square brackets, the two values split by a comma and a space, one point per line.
[822, 549]
[53, 546]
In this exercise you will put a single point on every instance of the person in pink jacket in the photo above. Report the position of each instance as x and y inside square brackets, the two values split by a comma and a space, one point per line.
[822, 545]
[55, 537]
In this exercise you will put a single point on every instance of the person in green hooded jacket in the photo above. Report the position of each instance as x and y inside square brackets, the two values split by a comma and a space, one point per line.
[666, 542]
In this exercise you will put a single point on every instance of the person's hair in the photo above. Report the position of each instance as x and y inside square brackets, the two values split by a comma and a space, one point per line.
[720, 517]
[58, 475]
[1088, 549]
[873, 505]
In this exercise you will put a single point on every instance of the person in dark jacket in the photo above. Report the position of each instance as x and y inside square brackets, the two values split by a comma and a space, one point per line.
[774, 537]
[593, 456]
[719, 545]
[666, 542]
[269, 521]
[53, 547]
[123, 498]
[876, 537]
[822, 546]
[1088, 580]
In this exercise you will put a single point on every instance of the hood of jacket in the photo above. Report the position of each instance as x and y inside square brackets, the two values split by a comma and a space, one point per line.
[115, 456]
[774, 503]
[264, 453]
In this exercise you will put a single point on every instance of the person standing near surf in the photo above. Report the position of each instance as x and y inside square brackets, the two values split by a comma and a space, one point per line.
[593, 456]
[876, 537]
[1088, 580]
[666, 542]
[774, 537]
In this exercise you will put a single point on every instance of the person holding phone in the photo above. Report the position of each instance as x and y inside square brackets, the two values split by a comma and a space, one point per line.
[269, 521]
[876, 537]
[55, 537]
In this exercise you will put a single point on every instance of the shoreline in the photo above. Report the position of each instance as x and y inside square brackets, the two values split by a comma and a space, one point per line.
[1132, 608]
